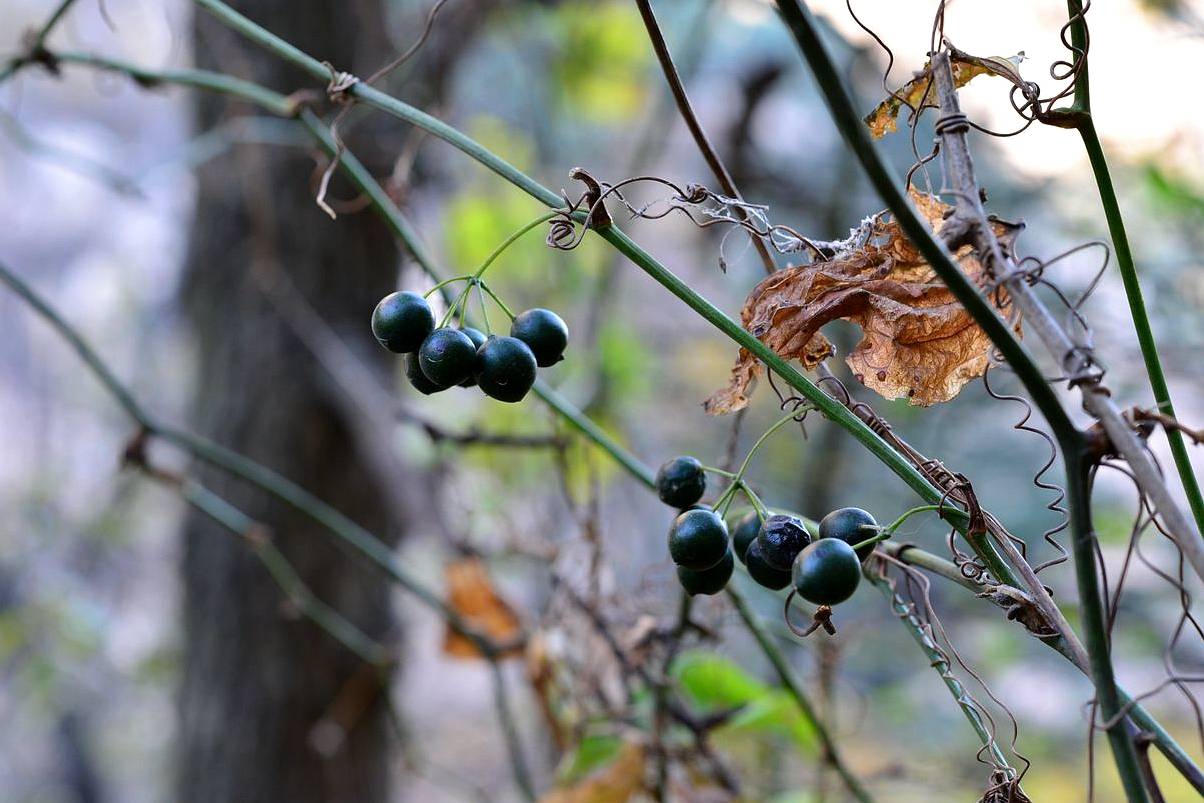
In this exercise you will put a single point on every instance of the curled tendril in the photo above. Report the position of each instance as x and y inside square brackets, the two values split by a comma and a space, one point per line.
[700, 205]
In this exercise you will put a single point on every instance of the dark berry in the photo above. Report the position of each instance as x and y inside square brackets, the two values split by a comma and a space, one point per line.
[761, 571]
[478, 339]
[708, 581]
[698, 540]
[851, 525]
[420, 380]
[827, 572]
[545, 332]
[505, 368]
[401, 321]
[782, 538]
[447, 356]
[680, 482]
[744, 531]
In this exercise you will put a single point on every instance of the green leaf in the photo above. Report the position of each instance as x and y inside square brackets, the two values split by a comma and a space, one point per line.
[714, 682]
[590, 754]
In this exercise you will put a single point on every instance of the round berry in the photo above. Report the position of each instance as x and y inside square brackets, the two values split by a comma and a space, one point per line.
[680, 482]
[761, 571]
[505, 368]
[708, 581]
[851, 525]
[782, 538]
[545, 332]
[420, 380]
[447, 356]
[698, 540]
[744, 531]
[478, 339]
[401, 321]
[827, 572]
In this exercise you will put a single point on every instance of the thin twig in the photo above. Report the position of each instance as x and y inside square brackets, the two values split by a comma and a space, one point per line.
[661, 48]
[794, 686]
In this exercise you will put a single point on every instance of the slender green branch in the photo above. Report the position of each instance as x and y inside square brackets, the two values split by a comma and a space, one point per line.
[514, 745]
[1137, 310]
[347, 531]
[200, 79]
[794, 686]
[298, 593]
[907, 514]
[37, 43]
[738, 479]
[1078, 41]
[1091, 599]
[940, 662]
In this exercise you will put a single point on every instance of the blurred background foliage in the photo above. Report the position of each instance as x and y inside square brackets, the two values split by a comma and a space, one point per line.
[89, 638]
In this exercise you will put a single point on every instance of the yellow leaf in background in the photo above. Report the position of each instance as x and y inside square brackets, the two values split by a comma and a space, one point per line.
[919, 91]
[470, 593]
[617, 782]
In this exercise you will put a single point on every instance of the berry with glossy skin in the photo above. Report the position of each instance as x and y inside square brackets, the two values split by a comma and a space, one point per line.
[401, 321]
[545, 332]
[698, 540]
[708, 581]
[744, 531]
[447, 356]
[761, 571]
[420, 380]
[851, 525]
[478, 339]
[827, 572]
[505, 368]
[782, 538]
[681, 482]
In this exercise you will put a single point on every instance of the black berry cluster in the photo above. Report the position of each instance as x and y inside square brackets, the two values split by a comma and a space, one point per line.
[779, 550]
[698, 541]
[504, 367]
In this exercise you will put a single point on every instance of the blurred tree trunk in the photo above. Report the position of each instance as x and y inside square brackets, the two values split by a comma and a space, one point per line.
[256, 681]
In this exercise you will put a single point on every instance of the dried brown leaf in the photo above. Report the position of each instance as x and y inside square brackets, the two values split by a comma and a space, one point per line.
[471, 594]
[919, 91]
[617, 782]
[918, 341]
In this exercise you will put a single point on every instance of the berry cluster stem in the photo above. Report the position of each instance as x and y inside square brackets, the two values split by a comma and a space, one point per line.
[724, 501]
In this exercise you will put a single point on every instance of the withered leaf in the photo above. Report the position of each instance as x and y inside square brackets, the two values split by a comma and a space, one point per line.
[617, 782]
[470, 593]
[918, 341]
[920, 89]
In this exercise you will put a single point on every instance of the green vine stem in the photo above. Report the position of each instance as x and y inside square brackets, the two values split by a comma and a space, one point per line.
[1080, 117]
[738, 480]
[940, 662]
[295, 590]
[37, 42]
